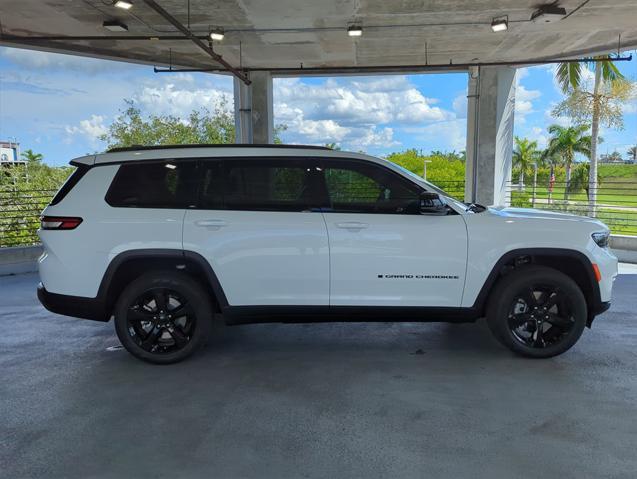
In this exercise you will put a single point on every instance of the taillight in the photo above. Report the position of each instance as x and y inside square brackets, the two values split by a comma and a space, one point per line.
[59, 222]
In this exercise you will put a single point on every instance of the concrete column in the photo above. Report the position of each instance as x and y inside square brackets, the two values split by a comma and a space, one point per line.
[253, 113]
[491, 104]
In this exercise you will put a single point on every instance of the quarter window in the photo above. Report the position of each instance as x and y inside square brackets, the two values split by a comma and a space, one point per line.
[163, 184]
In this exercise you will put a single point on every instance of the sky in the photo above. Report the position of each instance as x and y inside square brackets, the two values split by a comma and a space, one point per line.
[59, 105]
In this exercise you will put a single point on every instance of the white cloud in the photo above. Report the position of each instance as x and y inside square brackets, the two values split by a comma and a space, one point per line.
[356, 113]
[180, 98]
[524, 101]
[92, 128]
[36, 60]
[323, 131]
[460, 105]
[539, 135]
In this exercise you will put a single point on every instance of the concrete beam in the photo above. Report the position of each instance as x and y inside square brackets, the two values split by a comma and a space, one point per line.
[253, 109]
[490, 116]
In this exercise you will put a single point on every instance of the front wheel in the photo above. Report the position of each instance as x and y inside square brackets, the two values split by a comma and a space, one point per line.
[537, 311]
[163, 317]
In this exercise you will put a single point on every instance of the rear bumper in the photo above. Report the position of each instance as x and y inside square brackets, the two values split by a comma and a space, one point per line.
[75, 306]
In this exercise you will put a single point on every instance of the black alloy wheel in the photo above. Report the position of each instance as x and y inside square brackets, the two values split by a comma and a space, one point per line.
[161, 321]
[540, 316]
[163, 317]
[537, 311]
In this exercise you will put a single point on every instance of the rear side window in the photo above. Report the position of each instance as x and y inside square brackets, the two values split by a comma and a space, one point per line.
[68, 185]
[265, 184]
[161, 184]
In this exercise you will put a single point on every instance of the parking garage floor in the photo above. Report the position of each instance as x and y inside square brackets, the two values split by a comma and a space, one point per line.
[314, 401]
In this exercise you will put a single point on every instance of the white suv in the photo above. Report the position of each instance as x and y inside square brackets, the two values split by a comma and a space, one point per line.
[165, 239]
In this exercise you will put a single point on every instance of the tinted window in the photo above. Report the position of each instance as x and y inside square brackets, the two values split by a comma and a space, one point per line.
[259, 185]
[367, 188]
[165, 184]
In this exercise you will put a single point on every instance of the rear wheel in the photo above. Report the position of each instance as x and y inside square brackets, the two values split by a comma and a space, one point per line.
[537, 312]
[163, 317]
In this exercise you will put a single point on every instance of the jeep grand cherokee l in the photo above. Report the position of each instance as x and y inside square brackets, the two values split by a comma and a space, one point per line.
[167, 240]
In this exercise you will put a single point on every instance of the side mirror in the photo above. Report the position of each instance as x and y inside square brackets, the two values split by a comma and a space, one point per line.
[432, 204]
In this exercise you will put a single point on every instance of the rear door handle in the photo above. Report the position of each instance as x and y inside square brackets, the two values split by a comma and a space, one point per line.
[211, 223]
[352, 225]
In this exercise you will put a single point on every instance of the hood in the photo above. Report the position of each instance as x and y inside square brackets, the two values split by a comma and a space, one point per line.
[521, 213]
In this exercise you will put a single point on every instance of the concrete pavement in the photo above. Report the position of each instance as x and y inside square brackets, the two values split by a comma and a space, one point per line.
[314, 401]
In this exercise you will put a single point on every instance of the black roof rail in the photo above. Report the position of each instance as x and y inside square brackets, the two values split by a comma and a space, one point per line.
[227, 145]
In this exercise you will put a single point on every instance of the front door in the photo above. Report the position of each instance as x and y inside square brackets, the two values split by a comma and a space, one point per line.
[383, 252]
[259, 227]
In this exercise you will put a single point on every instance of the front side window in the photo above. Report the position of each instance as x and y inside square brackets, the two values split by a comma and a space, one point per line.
[264, 184]
[154, 184]
[358, 187]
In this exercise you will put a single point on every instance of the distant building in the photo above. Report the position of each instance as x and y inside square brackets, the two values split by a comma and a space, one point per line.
[10, 153]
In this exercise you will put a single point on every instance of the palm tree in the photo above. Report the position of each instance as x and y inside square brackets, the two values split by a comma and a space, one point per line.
[32, 157]
[525, 155]
[565, 142]
[569, 76]
[632, 153]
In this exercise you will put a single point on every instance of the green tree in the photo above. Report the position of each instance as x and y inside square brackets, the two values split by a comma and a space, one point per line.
[601, 103]
[632, 153]
[579, 179]
[134, 127]
[31, 157]
[525, 155]
[564, 143]
[333, 146]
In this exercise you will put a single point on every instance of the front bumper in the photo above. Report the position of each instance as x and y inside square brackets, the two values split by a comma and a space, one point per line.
[75, 306]
[597, 310]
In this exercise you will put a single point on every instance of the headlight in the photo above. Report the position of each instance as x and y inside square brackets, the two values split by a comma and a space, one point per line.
[601, 238]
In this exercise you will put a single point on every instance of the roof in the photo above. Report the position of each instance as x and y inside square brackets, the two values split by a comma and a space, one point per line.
[302, 34]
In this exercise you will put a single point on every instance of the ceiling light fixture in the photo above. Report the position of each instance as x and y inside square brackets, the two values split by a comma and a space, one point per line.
[217, 34]
[500, 24]
[548, 14]
[354, 30]
[115, 26]
[123, 4]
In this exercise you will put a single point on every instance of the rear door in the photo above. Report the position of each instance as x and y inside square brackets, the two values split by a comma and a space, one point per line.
[259, 225]
[383, 252]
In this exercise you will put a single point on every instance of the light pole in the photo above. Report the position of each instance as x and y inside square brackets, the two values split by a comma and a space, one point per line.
[424, 169]
[534, 183]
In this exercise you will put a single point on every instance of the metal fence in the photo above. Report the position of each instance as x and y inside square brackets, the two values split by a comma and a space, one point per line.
[20, 215]
[615, 203]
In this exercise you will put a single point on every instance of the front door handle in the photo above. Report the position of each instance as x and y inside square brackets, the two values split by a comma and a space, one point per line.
[352, 225]
[211, 223]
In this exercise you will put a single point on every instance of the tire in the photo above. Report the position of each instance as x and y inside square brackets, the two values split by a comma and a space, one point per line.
[163, 317]
[537, 312]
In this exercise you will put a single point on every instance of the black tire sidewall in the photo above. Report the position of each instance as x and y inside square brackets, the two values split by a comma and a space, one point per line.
[510, 286]
[189, 289]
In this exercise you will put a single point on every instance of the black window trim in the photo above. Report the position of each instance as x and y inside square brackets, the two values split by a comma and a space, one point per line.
[316, 162]
[70, 183]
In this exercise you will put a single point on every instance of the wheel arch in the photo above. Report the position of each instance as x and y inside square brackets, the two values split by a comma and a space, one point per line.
[573, 263]
[127, 266]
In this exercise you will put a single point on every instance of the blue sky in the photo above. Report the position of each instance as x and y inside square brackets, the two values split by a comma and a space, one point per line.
[58, 105]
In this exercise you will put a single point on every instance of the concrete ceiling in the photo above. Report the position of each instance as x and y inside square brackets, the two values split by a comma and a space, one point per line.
[312, 33]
